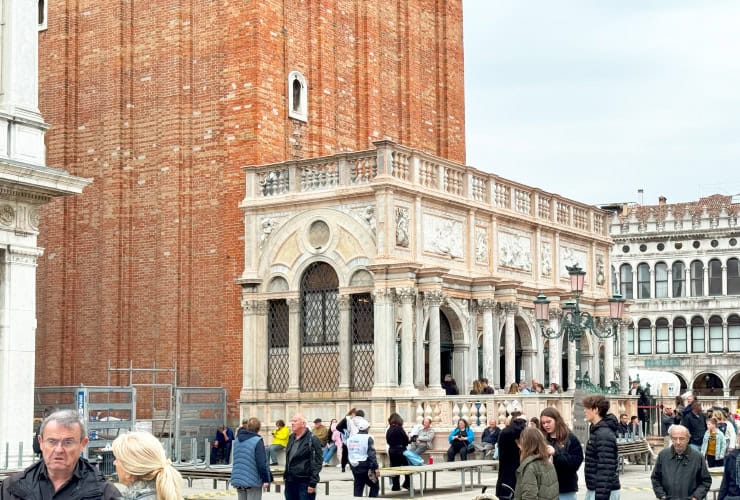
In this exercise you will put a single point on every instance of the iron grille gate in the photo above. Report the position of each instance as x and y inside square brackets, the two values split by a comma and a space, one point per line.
[319, 328]
[363, 342]
[278, 333]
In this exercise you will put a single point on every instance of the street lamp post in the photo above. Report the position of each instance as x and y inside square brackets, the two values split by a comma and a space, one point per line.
[576, 323]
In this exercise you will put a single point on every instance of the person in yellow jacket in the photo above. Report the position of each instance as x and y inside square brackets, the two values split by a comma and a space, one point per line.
[279, 440]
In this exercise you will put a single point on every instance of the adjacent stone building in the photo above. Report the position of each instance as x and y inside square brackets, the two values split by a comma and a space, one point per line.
[26, 183]
[679, 265]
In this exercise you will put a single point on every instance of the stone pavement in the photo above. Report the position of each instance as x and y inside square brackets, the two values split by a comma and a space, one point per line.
[635, 486]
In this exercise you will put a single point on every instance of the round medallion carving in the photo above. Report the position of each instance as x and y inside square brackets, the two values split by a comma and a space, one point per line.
[318, 234]
[7, 215]
[33, 218]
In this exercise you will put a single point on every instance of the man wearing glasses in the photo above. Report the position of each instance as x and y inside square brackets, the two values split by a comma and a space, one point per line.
[63, 474]
[680, 471]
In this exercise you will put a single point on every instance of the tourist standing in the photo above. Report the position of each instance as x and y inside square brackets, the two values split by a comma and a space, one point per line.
[680, 471]
[302, 461]
[565, 449]
[397, 441]
[535, 477]
[363, 460]
[250, 473]
[602, 478]
[508, 454]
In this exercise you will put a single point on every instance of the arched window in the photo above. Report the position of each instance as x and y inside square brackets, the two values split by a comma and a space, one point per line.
[662, 345]
[697, 278]
[630, 340]
[625, 281]
[716, 340]
[715, 277]
[297, 96]
[661, 280]
[733, 333]
[643, 281]
[645, 337]
[678, 272]
[733, 277]
[697, 334]
[680, 336]
[319, 328]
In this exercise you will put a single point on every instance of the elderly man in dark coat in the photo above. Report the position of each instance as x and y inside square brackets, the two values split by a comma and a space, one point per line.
[680, 471]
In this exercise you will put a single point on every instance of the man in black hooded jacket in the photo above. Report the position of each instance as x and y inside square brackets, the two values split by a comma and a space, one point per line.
[602, 477]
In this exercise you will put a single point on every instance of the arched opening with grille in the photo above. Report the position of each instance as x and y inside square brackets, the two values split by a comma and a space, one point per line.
[319, 328]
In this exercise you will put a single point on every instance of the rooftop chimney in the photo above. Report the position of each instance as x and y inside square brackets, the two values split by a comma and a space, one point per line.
[640, 197]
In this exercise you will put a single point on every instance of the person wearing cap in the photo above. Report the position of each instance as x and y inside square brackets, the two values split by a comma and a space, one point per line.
[363, 460]
[303, 459]
[321, 432]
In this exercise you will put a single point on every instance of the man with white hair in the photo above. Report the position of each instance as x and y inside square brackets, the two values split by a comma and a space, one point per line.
[62, 474]
[303, 461]
[680, 471]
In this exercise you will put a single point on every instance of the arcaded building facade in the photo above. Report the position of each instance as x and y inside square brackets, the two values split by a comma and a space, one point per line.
[376, 273]
[679, 264]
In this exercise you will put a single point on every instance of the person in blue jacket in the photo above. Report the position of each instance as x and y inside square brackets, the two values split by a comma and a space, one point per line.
[460, 439]
[250, 473]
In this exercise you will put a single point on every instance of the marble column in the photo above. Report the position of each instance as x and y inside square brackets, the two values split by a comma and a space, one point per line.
[407, 297]
[608, 361]
[249, 347]
[433, 300]
[487, 307]
[497, 382]
[510, 344]
[261, 347]
[571, 365]
[385, 340]
[17, 346]
[556, 355]
[624, 384]
[294, 345]
[345, 343]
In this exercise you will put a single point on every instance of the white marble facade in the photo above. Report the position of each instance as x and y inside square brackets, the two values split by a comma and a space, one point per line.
[450, 258]
[25, 184]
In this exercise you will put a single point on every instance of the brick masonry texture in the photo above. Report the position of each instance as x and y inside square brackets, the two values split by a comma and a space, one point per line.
[163, 103]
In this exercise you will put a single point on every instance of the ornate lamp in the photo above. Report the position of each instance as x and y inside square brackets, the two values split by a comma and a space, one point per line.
[576, 323]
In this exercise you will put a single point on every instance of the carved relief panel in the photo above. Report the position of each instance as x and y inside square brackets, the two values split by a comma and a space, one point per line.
[515, 250]
[443, 236]
[570, 255]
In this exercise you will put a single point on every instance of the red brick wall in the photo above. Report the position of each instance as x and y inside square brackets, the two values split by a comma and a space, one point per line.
[162, 106]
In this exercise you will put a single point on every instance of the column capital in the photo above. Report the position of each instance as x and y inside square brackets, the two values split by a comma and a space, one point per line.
[343, 302]
[406, 295]
[487, 304]
[434, 298]
[293, 303]
[510, 308]
[382, 295]
[254, 306]
[556, 313]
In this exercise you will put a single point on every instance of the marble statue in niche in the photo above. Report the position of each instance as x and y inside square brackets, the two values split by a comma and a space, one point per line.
[481, 245]
[546, 259]
[402, 227]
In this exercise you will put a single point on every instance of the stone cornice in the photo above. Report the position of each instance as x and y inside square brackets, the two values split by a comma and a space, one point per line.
[37, 183]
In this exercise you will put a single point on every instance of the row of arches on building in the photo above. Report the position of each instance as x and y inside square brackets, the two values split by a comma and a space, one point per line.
[663, 281]
[680, 336]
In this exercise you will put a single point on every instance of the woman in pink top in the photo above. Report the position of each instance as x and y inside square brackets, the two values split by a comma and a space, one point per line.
[334, 445]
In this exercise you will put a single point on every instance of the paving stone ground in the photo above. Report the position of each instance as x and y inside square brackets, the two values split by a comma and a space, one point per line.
[635, 486]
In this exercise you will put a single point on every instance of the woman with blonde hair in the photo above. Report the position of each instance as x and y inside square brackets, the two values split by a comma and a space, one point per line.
[143, 467]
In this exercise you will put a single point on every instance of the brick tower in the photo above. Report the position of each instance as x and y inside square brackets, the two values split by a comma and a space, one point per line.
[162, 104]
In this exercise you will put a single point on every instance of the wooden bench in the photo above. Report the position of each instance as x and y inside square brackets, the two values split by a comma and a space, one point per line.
[222, 473]
[463, 466]
[627, 449]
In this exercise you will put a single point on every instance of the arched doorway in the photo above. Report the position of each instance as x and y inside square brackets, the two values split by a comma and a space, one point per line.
[707, 384]
[446, 347]
[682, 381]
[735, 385]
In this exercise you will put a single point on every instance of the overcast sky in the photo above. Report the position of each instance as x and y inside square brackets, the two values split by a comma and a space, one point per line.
[596, 99]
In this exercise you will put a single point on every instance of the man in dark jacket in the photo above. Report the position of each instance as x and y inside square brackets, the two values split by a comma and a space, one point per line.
[602, 477]
[731, 479]
[508, 455]
[250, 473]
[696, 423]
[63, 474]
[680, 472]
[303, 461]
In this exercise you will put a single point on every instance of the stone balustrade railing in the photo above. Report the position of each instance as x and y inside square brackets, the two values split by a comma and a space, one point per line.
[416, 170]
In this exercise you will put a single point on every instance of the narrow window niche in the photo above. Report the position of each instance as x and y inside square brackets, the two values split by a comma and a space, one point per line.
[297, 96]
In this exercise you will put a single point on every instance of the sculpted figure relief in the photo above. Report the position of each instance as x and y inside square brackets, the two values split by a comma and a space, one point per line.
[481, 245]
[570, 256]
[514, 251]
[546, 259]
[402, 227]
[442, 235]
